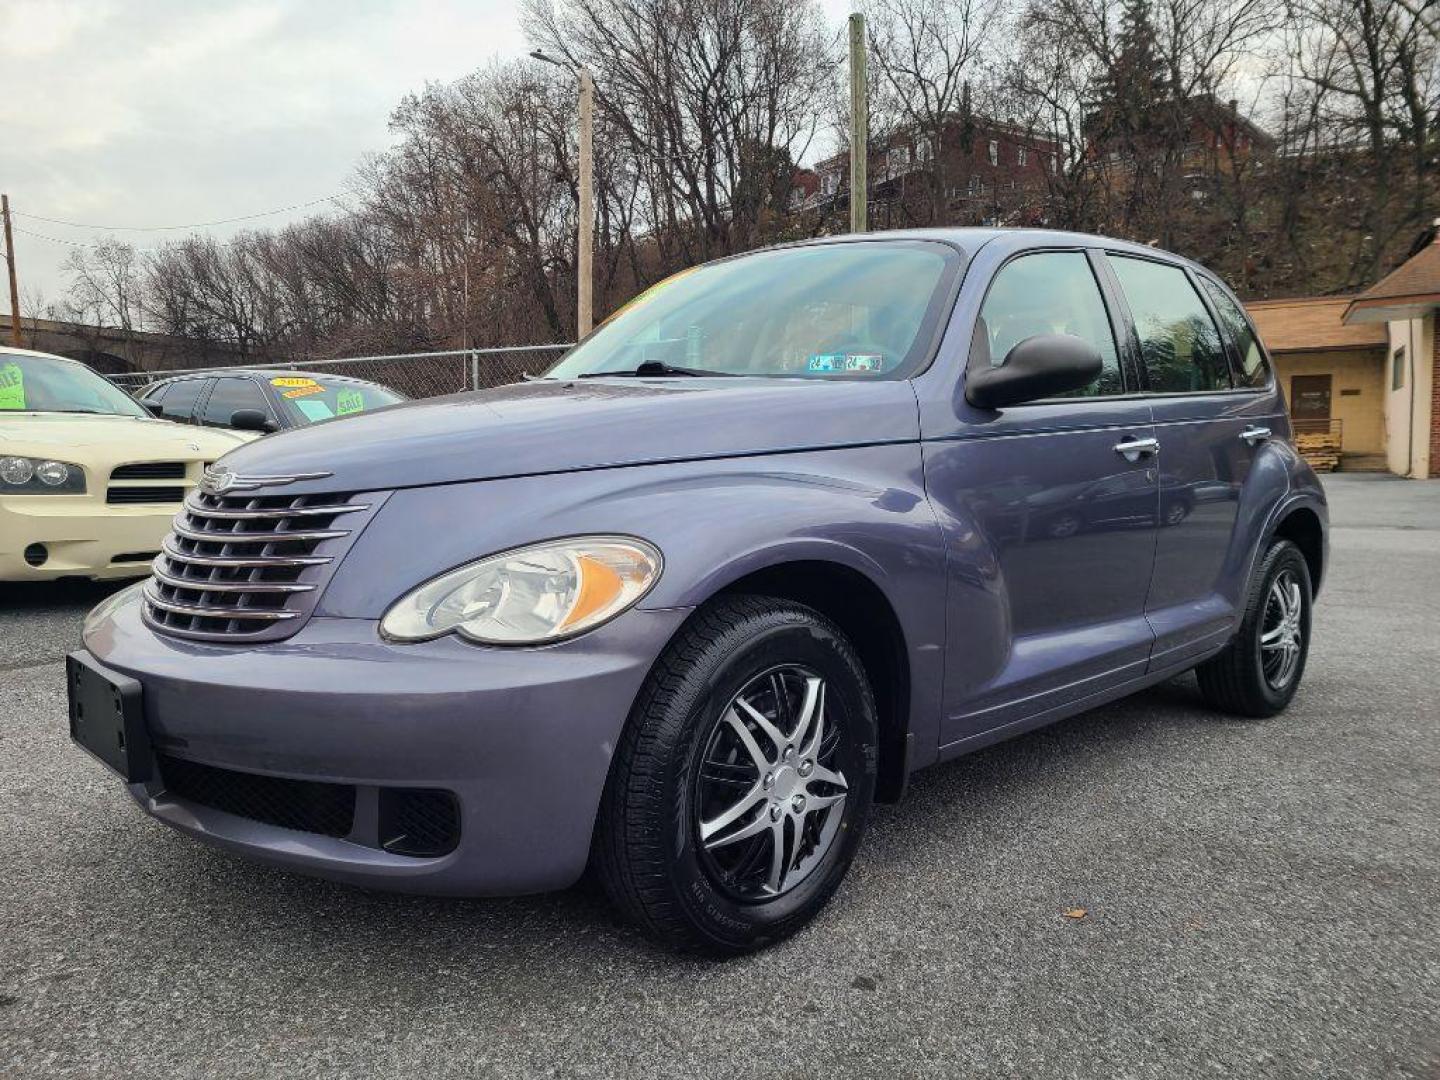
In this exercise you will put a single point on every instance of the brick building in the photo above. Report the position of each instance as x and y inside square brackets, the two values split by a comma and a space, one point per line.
[988, 172]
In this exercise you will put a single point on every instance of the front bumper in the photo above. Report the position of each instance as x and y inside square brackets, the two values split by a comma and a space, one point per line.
[81, 537]
[522, 738]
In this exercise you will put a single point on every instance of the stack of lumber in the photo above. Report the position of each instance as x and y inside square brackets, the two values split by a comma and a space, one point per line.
[1321, 450]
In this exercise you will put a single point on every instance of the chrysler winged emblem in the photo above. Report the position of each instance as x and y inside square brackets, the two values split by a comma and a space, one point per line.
[219, 480]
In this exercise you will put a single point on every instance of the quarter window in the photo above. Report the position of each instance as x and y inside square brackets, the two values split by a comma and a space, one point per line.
[1254, 370]
[1179, 342]
[1050, 292]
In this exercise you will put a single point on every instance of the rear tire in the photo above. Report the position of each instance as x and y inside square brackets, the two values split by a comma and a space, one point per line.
[756, 726]
[1259, 671]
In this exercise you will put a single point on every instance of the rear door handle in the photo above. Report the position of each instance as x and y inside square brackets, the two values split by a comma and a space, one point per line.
[1254, 434]
[1134, 449]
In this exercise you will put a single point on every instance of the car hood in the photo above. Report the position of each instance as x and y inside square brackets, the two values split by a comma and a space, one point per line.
[553, 426]
[67, 436]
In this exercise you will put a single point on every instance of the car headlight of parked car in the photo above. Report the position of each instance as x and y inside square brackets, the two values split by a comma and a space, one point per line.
[40, 476]
[531, 595]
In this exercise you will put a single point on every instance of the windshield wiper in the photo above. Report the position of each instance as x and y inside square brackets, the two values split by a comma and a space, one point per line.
[652, 368]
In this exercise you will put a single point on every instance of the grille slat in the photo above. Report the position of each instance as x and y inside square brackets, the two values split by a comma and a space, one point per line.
[247, 567]
[149, 470]
[125, 496]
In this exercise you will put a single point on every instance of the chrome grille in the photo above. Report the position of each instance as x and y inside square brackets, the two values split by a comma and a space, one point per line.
[248, 567]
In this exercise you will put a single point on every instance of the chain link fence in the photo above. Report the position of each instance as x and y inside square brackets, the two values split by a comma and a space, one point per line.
[416, 375]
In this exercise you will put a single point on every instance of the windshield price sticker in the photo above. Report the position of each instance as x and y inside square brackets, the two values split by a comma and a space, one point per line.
[349, 401]
[289, 380]
[12, 387]
[302, 391]
[314, 410]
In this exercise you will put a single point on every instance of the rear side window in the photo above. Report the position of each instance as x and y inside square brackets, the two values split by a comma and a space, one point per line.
[1179, 342]
[179, 400]
[230, 396]
[1050, 292]
[1254, 371]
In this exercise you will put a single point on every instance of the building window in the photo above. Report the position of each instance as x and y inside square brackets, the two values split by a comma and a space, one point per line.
[1021, 155]
[830, 183]
[896, 159]
[1054, 164]
[923, 148]
[974, 186]
[1397, 369]
[994, 152]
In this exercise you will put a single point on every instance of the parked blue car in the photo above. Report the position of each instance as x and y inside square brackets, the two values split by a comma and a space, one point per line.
[785, 529]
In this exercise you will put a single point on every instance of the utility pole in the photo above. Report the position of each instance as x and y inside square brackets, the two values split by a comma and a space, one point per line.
[859, 125]
[585, 241]
[14, 284]
[585, 253]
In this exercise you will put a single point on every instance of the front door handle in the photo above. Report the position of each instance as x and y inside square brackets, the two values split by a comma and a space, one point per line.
[1133, 450]
[1254, 434]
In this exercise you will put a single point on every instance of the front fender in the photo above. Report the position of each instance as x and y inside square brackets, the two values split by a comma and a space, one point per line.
[715, 522]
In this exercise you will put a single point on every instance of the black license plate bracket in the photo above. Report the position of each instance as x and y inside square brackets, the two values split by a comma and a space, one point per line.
[107, 718]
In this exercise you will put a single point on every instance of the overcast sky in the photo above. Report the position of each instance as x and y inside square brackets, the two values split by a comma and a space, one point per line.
[170, 112]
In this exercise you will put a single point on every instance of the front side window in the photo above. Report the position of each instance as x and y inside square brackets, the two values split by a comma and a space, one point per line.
[1179, 342]
[229, 397]
[1254, 370]
[42, 384]
[865, 310]
[1050, 292]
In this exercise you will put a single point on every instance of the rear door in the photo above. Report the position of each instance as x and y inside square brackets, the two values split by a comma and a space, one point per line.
[1209, 423]
[1049, 517]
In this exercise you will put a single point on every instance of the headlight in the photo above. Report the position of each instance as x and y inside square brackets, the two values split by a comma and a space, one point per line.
[34, 476]
[531, 595]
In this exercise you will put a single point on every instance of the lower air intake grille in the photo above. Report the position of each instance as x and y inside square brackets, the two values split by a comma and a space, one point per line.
[419, 822]
[122, 496]
[305, 805]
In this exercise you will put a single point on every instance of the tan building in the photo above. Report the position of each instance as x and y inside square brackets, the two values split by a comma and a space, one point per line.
[1365, 369]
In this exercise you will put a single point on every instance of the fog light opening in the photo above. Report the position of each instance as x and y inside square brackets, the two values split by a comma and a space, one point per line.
[37, 554]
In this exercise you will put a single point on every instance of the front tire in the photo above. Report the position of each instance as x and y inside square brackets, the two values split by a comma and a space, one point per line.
[742, 784]
[1259, 671]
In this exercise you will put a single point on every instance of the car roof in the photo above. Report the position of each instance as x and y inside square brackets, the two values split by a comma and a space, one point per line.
[971, 239]
[263, 373]
[15, 349]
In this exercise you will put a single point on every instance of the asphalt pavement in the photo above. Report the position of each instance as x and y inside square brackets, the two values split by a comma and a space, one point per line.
[1261, 899]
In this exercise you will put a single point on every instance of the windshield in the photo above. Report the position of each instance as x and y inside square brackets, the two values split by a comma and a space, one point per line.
[40, 384]
[851, 310]
[307, 399]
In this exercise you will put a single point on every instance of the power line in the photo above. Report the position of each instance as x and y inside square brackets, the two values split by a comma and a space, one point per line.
[170, 228]
[94, 243]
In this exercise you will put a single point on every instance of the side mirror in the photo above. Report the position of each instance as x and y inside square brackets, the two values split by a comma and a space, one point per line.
[252, 420]
[1038, 367]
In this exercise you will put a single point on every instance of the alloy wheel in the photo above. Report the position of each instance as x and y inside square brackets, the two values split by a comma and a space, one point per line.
[1281, 632]
[770, 797]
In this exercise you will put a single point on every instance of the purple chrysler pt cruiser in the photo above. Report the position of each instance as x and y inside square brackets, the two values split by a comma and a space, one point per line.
[783, 530]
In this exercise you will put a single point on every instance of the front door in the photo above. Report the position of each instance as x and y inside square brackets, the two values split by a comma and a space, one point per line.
[1049, 516]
